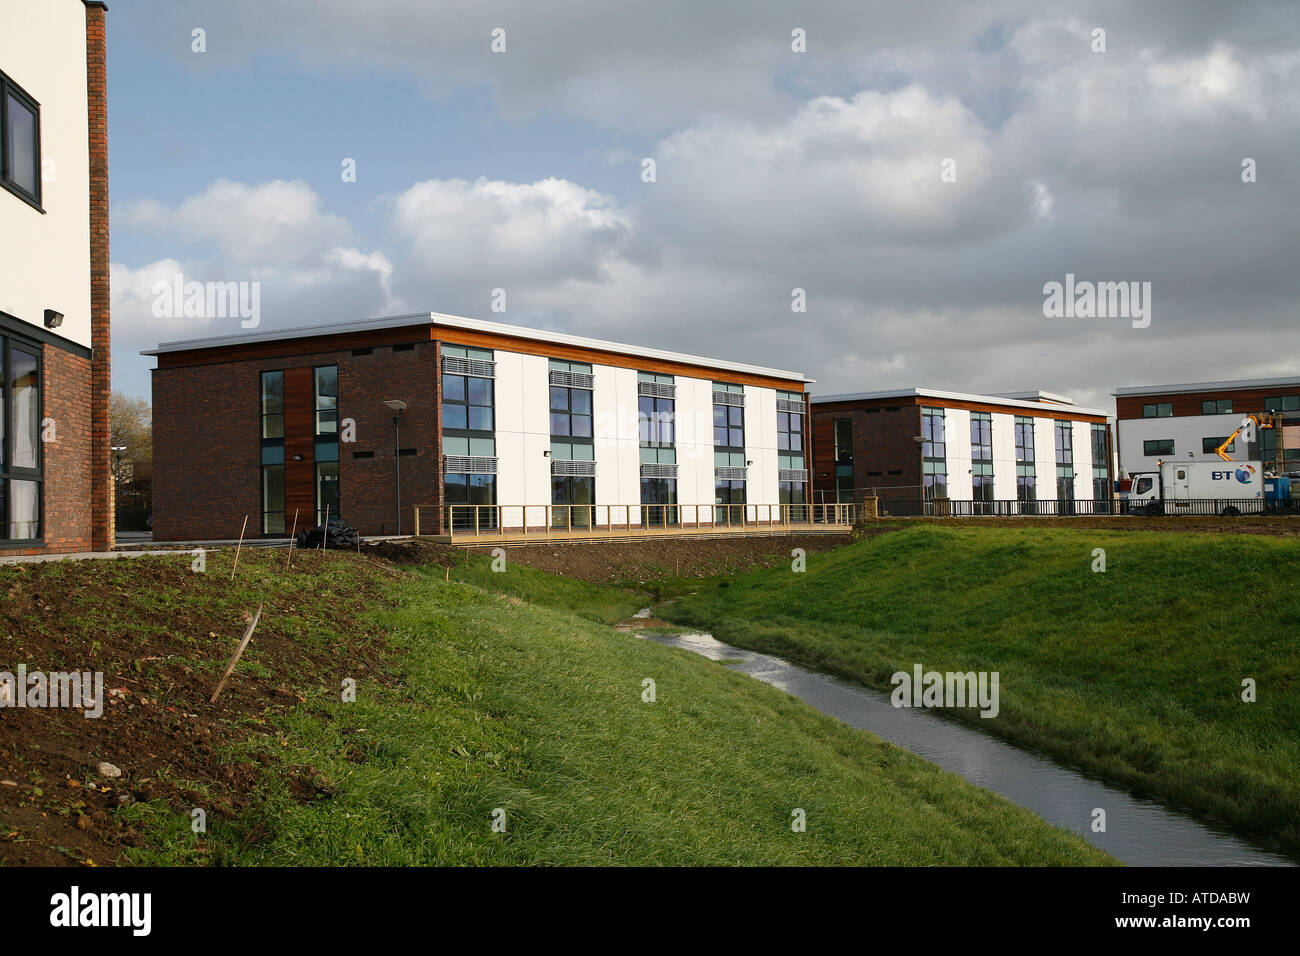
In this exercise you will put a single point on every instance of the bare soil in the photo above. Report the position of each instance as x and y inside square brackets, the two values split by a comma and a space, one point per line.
[163, 635]
[640, 562]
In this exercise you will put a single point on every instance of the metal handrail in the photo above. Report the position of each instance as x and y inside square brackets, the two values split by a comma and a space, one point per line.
[545, 521]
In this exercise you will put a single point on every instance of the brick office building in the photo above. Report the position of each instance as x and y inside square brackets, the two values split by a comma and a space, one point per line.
[55, 485]
[1160, 422]
[914, 444]
[277, 424]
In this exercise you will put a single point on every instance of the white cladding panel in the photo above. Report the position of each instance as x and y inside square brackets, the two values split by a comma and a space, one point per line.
[956, 422]
[45, 259]
[1187, 431]
[614, 406]
[762, 487]
[1004, 457]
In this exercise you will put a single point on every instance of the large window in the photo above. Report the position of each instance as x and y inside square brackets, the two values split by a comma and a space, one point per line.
[1026, 469]
[20, 142]
[1282, 403]
[1158, 446]
[1064, 462]
[729, 452]
[272, 398]
[21, 454]
[843, 460]
[934, 454]
[981, 453]
[1100, 462]
[791, 485]
[572, 440]
[327, 400]
[656, 428]
[1158, 410]
[325, 389]
[469, 432]
[1216, 406]
[1210, 445]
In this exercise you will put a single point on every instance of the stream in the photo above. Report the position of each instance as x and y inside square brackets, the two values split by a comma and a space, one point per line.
[1138, 832]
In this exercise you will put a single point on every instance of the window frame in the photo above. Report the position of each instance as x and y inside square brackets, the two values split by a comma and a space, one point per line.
[1146, 443]
[1158, 406]
[8, 473]
[9, 88]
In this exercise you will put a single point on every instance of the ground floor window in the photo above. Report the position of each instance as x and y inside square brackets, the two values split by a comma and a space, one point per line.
[572, 494]
[1026, 488]
[934, 481]
[982, 487]
[844, 489]
[327, 490]
[273, 498]
[659, 503]
[460, 492]
[794, 494]
[21, 460]
[732, 494]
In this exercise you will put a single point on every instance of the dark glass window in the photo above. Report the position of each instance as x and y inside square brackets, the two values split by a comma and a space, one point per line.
[1158, 410]
[843, 441]
[660, 497]
[20, 141]
[21, 454]
[655, 423]
[1158, 446]
[478, 490]
[1064, 461]
[1210, 445]
[468, 404]
[571, 415]
[1219, 406]
[729, 427]
[327, 400]
[273, 405]
[1282, 403]
[573, 491]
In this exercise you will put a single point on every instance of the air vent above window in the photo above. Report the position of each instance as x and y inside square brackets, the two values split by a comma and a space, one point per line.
[573, 379]
[572, 469]
[465, 465]
[729, 473]
[656, 389]
[404, 348]
[792, 474]
[651, 470]
[791, 405]
[721, 397]
[476, 368]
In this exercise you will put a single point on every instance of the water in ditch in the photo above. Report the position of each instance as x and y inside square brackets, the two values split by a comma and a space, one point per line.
[1138, 832]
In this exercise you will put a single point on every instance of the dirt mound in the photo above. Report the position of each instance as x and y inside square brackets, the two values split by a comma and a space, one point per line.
[162, 634]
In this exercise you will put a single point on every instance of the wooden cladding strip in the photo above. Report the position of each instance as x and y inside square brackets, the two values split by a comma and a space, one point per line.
[313, 344]
[1244, 401]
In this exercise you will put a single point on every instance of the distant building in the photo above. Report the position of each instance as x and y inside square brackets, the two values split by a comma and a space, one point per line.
[55, 485]
[1162, 422]
[916, 444]
[295, 422]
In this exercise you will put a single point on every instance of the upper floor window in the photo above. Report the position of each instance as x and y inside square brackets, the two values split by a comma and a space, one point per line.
[1064, 443]
[20, 142]
[1024, 428]
[572, 431]
[981, 436]
[934, 447]
[1158, 410]
[728, 416]
[789, 428]
[1099, 443]
[327, 400]
[1282, 403]
[273, 405]
[1217, 406]
[843, 440]
[655, 412]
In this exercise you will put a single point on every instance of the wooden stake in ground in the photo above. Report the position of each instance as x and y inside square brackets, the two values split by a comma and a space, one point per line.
[237, 547]
[248, 636]
[325, 537]
[293, 534]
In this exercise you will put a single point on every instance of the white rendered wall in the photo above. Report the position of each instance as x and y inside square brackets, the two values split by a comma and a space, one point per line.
[1187, 431]
[45, 259]
[762, 486]
[957, 435]
[618, 477]
[1004, 457]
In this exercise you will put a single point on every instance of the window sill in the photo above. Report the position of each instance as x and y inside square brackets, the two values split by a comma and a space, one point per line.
[24, 196]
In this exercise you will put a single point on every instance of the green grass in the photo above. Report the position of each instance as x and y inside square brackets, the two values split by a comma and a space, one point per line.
[597, 602]
[1134, 674]
[505, 704]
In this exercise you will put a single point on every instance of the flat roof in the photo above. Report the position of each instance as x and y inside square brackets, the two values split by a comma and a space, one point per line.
[960, 397]
[1037, 395]
[1291, 382]
[477, 325]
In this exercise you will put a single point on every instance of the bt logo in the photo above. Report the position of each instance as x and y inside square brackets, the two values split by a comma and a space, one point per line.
[1243, 474]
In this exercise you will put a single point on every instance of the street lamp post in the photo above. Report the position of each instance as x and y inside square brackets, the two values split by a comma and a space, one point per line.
[397, 407]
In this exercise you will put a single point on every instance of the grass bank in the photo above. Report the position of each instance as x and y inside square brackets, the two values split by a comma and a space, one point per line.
[1134, 674]
[500, 708]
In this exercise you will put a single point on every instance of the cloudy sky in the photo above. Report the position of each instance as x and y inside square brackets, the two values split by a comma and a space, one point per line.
[775, 170]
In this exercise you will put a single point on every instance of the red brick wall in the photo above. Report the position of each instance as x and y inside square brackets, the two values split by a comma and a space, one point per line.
[882, 441]
[207, 447]
[67, 486]
[100, 493]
